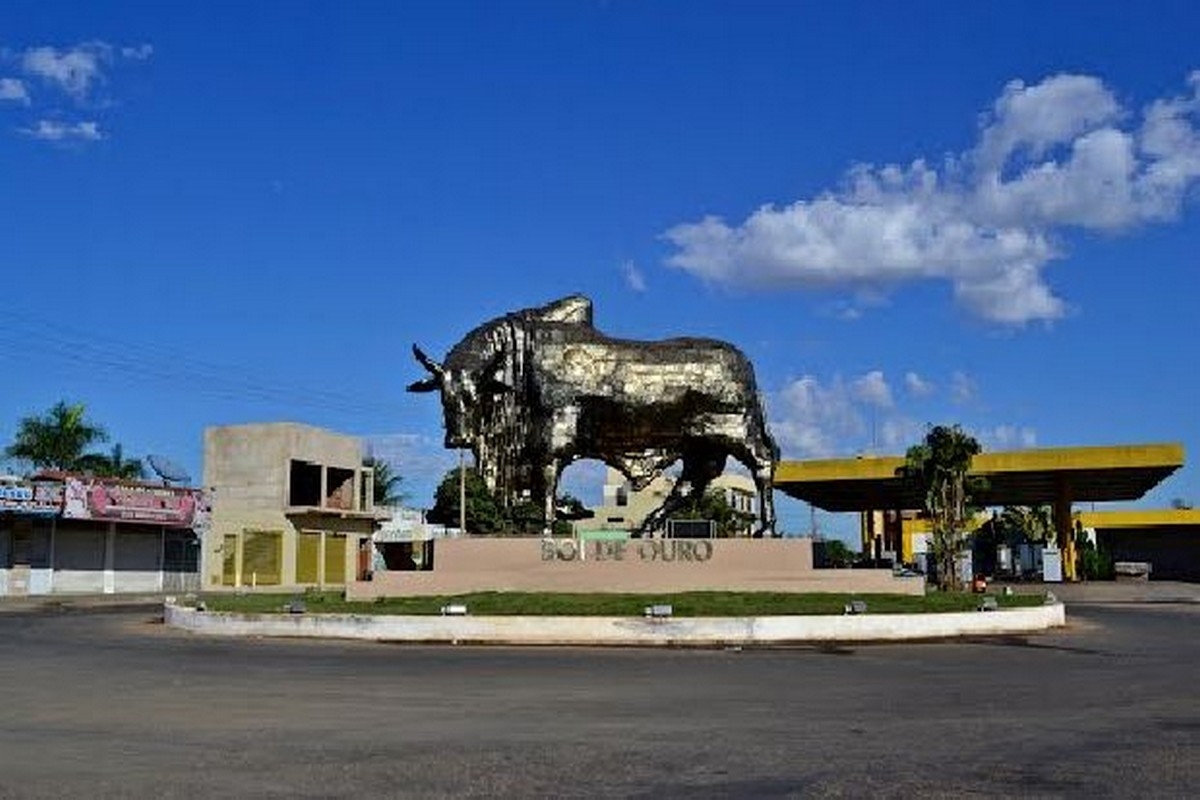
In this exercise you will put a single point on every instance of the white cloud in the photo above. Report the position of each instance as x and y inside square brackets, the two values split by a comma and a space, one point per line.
[1039, 117]
[54, 131]
[420, 461]
[898, 433]
[1007, 437]
[13, 90]
[814, 421]
[139, 52]
[74, 71]
[811, 419]
[1056, 155]
[963, 388]
[634, 278]
[873, 390]
[916, 385]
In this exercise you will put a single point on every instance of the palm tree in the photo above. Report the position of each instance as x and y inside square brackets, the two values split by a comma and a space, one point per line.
[113, 465]
[938, 466]
[386, 489]
[57, 439]
[1029, 523]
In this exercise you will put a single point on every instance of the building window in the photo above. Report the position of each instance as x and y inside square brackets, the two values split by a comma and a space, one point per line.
[304, 484]
[622, 495]
[340, 483]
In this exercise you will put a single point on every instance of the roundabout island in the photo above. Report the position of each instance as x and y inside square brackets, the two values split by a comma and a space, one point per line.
[692, 619]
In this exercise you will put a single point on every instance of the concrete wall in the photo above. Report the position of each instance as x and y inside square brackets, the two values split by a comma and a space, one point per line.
[520, 564]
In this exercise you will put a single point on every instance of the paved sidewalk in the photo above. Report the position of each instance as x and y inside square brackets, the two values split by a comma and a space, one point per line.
[1114, 591]
[80, 602]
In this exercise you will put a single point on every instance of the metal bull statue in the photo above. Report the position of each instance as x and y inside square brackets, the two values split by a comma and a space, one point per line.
[536, 389]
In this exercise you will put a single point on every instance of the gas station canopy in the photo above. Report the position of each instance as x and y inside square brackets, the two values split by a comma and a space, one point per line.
[1019, 477]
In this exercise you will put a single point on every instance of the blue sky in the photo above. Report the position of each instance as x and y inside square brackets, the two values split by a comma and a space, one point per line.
[903, 213]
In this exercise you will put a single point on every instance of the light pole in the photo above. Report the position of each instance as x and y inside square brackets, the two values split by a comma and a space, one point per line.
[462, 495]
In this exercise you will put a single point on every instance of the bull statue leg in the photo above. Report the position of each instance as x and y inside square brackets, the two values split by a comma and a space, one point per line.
[758, 455]
[702, 464]
[764, 483]
[549, 489]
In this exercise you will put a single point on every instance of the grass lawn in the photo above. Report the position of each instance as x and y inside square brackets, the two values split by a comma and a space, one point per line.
[684, 604]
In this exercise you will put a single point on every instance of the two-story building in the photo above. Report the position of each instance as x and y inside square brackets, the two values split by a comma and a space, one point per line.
[292, 506]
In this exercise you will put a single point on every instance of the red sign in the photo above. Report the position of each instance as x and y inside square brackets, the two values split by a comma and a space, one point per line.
[131, 502]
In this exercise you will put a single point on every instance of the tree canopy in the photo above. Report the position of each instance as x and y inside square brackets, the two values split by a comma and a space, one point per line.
[714, 505]
[60, 440]
[939, 465]
[483, 512]
[112, 465]
[57, 439]
[386, 489]
[487, 514]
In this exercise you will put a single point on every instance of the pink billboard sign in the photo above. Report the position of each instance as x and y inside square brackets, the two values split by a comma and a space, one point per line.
[132, 502]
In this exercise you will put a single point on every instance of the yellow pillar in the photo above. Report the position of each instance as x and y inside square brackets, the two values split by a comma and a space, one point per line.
[1064, 529]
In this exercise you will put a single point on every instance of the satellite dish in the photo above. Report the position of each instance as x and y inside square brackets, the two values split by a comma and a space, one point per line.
[168, 470]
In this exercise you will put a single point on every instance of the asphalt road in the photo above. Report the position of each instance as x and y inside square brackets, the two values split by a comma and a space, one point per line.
[110, 704]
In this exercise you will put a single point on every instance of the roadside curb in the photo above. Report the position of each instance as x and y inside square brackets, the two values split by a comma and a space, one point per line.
[80, 604]
[622, 631]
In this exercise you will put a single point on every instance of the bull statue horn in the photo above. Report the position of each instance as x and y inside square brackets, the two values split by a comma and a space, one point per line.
[436, 373]
[428, 363]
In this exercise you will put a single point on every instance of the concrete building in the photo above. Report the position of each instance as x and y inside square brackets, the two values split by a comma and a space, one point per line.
[625, 509]
[65, 533]
[292, 506]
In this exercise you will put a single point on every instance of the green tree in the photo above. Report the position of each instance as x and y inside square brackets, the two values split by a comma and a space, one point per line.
[713, 505]
[484, 512]
[1018, 524]
[1092, 563]
[569, 507]
[112, 465]
[57, 439]
[837, 553]
[938, 466]
[387, 489]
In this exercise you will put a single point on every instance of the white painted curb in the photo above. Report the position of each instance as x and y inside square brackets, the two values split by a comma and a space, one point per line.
[702, 631]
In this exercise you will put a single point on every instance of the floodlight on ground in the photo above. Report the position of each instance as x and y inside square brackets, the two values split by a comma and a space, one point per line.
[855, 607]
[1051, 599]
[988, 603]
[659, 611]
[454, 610]
[295, 607]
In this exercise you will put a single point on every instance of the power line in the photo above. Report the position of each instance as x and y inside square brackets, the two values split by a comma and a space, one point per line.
[29, 337]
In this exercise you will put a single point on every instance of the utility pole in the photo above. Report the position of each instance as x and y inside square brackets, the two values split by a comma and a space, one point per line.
[462, 495]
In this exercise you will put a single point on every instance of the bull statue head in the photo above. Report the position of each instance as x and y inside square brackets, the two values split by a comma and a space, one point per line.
[462, 391]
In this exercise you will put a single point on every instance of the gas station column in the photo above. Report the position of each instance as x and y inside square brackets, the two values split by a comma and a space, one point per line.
[1063, 528]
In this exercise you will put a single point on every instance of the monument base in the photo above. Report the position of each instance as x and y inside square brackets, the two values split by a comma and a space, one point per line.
[478, 564]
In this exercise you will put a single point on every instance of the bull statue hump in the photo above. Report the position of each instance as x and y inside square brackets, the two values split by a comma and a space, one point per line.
[536, 389]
